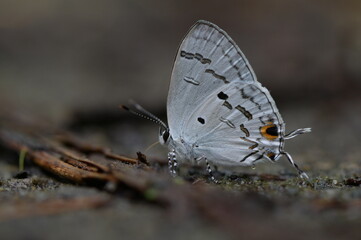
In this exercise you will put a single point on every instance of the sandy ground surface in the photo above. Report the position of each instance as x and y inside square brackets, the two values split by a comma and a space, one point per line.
[270, 201]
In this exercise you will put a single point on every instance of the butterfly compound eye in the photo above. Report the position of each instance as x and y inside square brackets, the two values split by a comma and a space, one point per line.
[163, 135]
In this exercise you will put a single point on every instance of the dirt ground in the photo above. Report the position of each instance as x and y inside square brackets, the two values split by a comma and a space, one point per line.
[269, 201]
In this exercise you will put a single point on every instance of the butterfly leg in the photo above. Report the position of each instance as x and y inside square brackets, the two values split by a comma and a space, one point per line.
[210, 172]
[172, 163]
[209, 169]
[301, 173]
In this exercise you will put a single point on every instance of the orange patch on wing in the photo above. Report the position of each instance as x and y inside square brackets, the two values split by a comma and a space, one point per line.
[270, 131]
[271, 155]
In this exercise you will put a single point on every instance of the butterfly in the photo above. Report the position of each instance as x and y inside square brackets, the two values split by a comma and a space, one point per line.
[218, 113]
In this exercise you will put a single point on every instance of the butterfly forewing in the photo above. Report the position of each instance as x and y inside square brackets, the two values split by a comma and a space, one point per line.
[206, 60]
[216, 102]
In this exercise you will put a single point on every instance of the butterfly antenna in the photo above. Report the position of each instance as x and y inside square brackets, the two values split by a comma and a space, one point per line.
[141, 112]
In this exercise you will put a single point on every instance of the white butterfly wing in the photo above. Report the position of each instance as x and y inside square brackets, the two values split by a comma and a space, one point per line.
[237, 131]
[205, 45]
[214, 100]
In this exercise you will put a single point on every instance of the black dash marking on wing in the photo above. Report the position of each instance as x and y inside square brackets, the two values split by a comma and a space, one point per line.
[235, 67]
[191, 80]
[228, 105]
[196, 56]
[255, 144]
[240, 75]
[201, 120]
[222, 95]
[186, 55]
[220, 77]
[245, 112]
[200, 58]
[243, 94]
[245, 130]
[259, 158]
[226, 121]
[233, 64]
[255, 103]
[261, 120]
[247, 156]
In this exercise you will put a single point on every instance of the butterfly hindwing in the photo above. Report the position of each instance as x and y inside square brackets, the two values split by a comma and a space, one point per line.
[238, 128]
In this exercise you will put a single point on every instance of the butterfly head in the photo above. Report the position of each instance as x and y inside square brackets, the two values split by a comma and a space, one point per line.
[164, 135]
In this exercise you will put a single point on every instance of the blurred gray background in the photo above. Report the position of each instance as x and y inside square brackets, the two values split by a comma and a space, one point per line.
[58, 57]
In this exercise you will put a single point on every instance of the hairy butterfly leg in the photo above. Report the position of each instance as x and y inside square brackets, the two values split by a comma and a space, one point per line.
[301, 173]
[209, 168]
[172, 163]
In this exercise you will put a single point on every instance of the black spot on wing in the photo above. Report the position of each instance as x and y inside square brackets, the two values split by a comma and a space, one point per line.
[273, 131]
[222, 95]
[201, 120]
